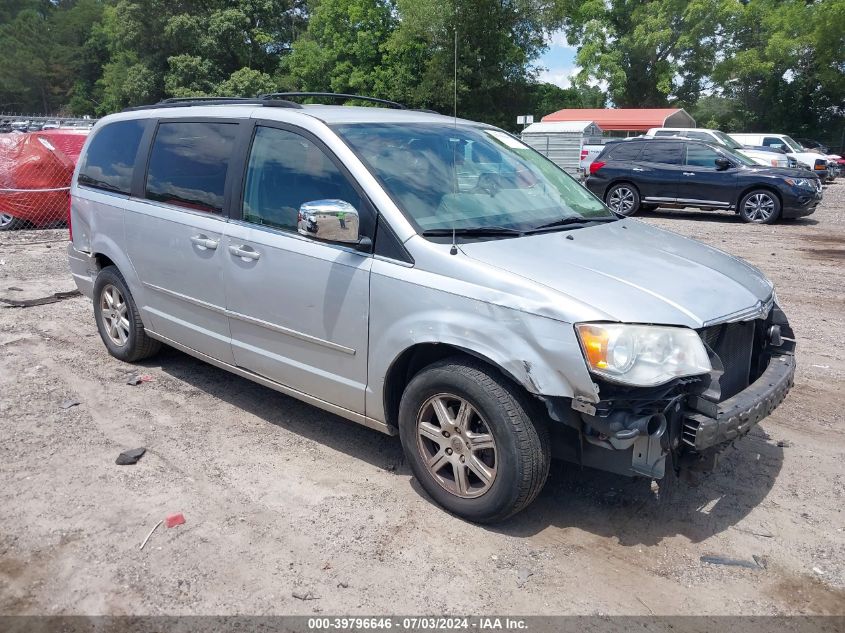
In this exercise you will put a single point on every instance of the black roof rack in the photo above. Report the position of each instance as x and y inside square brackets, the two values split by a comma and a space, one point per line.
[334, 95]
[186, 102]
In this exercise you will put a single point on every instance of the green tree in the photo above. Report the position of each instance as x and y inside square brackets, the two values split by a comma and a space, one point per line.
[547, 98]
[342, 49]
[648, 53]
[784, 67]
[159, 49]
[496, 45]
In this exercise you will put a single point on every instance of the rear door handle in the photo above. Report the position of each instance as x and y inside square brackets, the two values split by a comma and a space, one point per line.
[689, 173]
[244, 252]
[203, 241]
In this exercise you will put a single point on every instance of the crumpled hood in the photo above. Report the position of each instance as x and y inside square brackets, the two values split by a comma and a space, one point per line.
[632, 272]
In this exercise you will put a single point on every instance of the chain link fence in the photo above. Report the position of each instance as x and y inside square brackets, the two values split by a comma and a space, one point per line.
[35, 173]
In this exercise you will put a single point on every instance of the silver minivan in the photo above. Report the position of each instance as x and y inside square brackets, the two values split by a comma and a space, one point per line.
[426, 276]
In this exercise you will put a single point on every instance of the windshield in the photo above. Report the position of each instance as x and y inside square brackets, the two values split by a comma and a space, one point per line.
[726, 140]
[445, 177]
[792, 144]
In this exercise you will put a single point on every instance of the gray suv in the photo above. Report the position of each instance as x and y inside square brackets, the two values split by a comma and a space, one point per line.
[426, 276]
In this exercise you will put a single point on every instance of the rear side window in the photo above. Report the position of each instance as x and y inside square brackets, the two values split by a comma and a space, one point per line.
[772, 141]
[189, 163]
[666, 153]
[624, 151]
[667, 133]
[110, 159]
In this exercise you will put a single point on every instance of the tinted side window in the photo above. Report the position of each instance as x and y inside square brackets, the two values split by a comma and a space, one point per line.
[189, 163]
[772, 141]
[286, 170]
[701, 156]
[667, 133]
[625, 150]
[110, 158]
[667, 153]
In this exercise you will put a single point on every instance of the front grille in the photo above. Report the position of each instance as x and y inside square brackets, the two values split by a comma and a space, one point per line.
[733, 343]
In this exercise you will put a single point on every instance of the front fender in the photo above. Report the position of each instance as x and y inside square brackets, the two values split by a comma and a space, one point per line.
[540, 353]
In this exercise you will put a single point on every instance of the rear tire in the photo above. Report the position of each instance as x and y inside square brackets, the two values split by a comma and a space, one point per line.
[760, 206]
[471, 442]
[9, 222]
[118, 319]
[623, 198]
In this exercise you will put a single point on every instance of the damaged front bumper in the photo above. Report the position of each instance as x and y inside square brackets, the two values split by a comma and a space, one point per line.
[709, 424]
[638, 431]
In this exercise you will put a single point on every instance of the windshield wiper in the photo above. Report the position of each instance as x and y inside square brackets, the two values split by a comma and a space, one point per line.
[568, 222]
[472, 231]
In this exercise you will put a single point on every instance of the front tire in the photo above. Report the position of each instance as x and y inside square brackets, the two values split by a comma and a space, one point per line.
[760, 207]
[471, 442]
[623, 198]
[118, 319]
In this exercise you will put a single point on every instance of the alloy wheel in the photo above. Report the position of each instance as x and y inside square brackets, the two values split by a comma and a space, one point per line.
[759, 207]
[621, 200]
[115, 314]
[456, 445]
[6, 219]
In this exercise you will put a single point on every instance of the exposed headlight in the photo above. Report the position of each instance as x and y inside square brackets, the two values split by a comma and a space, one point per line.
[798, 182]
[642, 355]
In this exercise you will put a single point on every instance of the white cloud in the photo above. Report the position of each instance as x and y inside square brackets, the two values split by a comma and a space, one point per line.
[558, 40]
[559, 76]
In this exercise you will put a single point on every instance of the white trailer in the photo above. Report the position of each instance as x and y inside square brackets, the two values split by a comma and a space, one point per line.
[562, 142]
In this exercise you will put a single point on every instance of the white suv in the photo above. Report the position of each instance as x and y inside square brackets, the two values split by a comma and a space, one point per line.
[717, 137]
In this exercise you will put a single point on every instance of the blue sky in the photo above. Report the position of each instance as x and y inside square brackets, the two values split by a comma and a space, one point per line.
[558, 61]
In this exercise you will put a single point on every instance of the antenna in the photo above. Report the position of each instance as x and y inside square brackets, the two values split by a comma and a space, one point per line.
[455, 84]
[454, 249]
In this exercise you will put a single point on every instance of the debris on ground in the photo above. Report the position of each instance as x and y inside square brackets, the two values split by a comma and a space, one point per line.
[343, 584]
[127, 458]
[784, 443]
[67, 404]
[305, 595]
[174, 519]
[40, 301]
[732, 562]
[139, 378]
[150, 533]
[14, 289]
[522, 577]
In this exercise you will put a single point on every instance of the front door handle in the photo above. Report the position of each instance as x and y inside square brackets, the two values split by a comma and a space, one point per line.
[638, 169]
[689, 173]
[244, 252]
[203, 241]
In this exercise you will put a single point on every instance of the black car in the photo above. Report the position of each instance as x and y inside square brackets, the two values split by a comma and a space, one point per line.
[644, 173]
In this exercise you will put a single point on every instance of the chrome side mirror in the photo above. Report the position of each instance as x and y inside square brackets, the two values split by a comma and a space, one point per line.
[329, 220]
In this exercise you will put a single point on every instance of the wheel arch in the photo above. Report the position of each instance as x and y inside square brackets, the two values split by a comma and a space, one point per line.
[750, 188]
[621, 181]
[417, 357]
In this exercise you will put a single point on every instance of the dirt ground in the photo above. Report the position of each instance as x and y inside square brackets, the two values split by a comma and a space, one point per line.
[281, 498]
